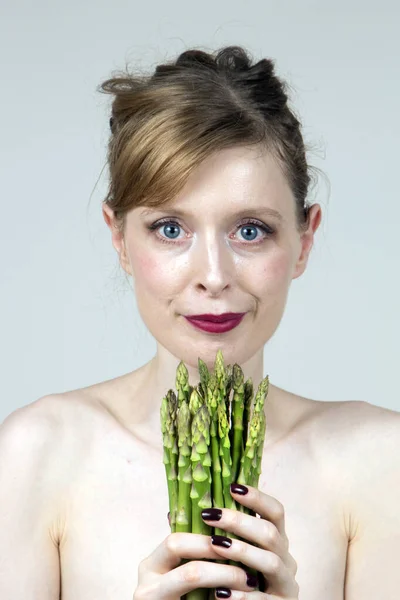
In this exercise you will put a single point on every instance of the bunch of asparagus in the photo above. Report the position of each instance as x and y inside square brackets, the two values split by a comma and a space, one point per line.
[210, 441]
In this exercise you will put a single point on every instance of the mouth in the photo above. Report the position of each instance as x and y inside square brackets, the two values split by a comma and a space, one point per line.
[216, 318]
[216, 326]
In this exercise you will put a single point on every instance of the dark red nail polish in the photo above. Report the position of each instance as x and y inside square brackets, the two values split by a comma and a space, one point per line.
[252, 580]
[223, 593]
[221, 540]
[211, 514]
[263, 583]
[237, 488]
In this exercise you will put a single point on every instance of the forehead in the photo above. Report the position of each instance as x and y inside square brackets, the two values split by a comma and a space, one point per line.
[232, 182]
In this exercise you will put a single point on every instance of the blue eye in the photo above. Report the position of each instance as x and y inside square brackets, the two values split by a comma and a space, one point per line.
[171, 226]
[250, 224]
[247, 227]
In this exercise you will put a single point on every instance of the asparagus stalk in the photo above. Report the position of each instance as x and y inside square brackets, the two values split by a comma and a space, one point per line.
[249, 466]
[256, 433]
[201, 463]
[201, 485]
[213, 401]
[237, 420]
[229, 386]
[182, 383]
[248, 397]
[224, 381]
[201, 459]
[184, 514]
[256, 464]
[255, 470]
[226, 460]
[224, 441]
[204, 377]
[168, 428]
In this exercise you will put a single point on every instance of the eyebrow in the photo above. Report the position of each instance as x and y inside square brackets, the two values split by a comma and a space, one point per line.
[261, 210]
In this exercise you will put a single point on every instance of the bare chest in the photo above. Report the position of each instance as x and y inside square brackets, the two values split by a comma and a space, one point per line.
[116, 515]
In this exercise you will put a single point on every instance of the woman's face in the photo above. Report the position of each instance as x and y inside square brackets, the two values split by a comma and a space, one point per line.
[209, 258]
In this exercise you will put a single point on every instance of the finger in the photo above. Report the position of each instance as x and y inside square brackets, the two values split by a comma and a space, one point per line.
[236, 595]
[267, 507]
[258, 531]
[279, 577]
[197, 574]
[176, 546]
[263, 586]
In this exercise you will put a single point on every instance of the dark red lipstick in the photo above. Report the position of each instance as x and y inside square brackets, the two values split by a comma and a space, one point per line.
[216, 318]
[216, 323]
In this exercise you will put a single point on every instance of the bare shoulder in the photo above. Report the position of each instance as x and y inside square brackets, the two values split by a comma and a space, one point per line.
[357, 449]
[50, 417]
[364, 448]
[357, 425]
[33, 429]
[50, 438]
[29, 449]
[55, 421]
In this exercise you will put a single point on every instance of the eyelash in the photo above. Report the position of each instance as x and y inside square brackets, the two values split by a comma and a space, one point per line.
[268, 231]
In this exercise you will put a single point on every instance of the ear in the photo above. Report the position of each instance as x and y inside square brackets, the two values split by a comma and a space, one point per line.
[117, 238]
[307, 240]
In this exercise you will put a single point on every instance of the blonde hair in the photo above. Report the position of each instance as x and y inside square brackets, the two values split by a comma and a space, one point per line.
[165, 123]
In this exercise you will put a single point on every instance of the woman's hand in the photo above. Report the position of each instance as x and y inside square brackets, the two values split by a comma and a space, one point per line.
[161, 575]
[271, 555]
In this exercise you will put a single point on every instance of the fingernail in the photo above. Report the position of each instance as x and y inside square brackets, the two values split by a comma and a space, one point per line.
[252, 580]
[263, 583]
[211, 514]
[221, 540]
[237, 488]
[223, 593]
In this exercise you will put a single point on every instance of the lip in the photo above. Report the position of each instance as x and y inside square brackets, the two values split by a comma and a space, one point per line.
[212, 327]
[217, 318]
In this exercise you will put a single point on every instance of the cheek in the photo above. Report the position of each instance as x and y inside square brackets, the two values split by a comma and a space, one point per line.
[152, 274]
[147, 270]
[275, 272]
[144, 263]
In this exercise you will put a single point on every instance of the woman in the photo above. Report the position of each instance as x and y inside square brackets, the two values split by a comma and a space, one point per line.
[208, 213]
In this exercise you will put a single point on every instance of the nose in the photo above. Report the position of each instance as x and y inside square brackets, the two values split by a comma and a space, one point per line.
[214, 266]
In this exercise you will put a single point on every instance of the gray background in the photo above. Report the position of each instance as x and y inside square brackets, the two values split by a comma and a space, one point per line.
[68, 315]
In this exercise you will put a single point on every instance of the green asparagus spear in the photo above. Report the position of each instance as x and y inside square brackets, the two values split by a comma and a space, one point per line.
[168, 428]
[255, 471]
[204, 377]
[255, 434]
[225, 454]
[229, 385]
[259, 408]
[255, 440]
[201, 485]
[182, 383]
[248, 397]
[201, 463]
[213, 400]
[184, 514]
[237, 420]
[224, 443]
